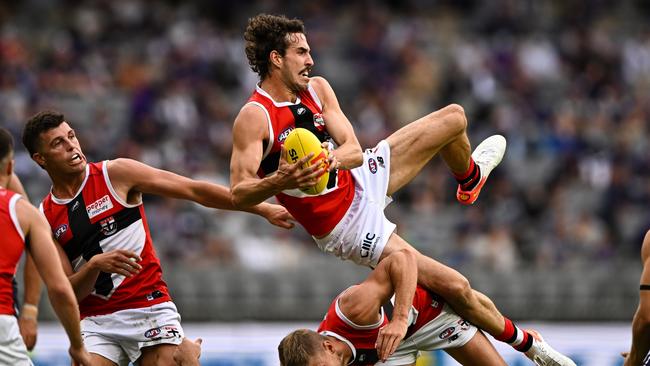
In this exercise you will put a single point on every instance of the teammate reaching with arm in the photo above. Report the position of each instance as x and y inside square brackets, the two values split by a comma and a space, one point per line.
[21, 223]
[97, 217]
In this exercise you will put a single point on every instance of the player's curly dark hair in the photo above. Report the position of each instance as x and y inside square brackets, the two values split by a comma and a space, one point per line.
[266, 33]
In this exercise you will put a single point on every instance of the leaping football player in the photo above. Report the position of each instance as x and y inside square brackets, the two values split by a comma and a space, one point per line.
[347, 219]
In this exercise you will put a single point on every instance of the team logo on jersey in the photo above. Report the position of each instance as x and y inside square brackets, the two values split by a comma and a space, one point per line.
[100, 206]
[301, 111]
[372, 165]
[283, 135]
[319, 122]
[75, 206]
[108, 226]
[447, 333]
[60, 231]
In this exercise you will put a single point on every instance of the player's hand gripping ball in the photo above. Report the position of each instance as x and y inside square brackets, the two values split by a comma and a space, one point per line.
[300, 143]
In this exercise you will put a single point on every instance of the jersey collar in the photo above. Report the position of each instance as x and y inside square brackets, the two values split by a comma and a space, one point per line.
[262, 92]
[68, 200]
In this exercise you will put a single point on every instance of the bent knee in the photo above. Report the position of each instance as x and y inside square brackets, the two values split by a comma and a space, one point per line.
[453, 117]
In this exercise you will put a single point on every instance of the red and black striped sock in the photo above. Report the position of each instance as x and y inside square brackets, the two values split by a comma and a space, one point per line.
[469, 179]
[519, 339]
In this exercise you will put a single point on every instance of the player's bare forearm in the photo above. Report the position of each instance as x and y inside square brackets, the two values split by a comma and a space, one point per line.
[251, 192]
[84, 281]
[118, 261]
[641, 321]
[403, 273]
[28, 319]
[67, 310]
[640, 338]
[401, 269]
[212, 195]
[44, 252]
[349, 155]
[33, 283]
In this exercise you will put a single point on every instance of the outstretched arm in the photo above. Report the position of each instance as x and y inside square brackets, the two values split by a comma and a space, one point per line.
[59, 290]
[131, 178]
[28, 319]
[396, 274]
[641, 322]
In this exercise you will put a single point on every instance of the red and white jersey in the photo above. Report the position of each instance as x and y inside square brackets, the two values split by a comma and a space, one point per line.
[319, 214]
[362, 338]
[96, 221]
[11, 249]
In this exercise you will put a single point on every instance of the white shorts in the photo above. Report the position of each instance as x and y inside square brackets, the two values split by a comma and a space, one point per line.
[447, 330]
[120, 336]
[12, 348]
[364, 230]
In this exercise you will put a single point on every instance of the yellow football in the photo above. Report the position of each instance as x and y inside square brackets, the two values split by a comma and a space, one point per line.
[300, 143]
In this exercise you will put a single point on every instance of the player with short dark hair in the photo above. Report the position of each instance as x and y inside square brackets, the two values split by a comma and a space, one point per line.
[98, 219]
[22, 227]
[347, 219]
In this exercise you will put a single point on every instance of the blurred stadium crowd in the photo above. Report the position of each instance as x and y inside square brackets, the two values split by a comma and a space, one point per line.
[567, 82]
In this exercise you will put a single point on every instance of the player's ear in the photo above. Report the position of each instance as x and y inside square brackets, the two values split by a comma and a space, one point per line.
[329, 346]
[39, 159]
[276, 58]
[10, 167]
